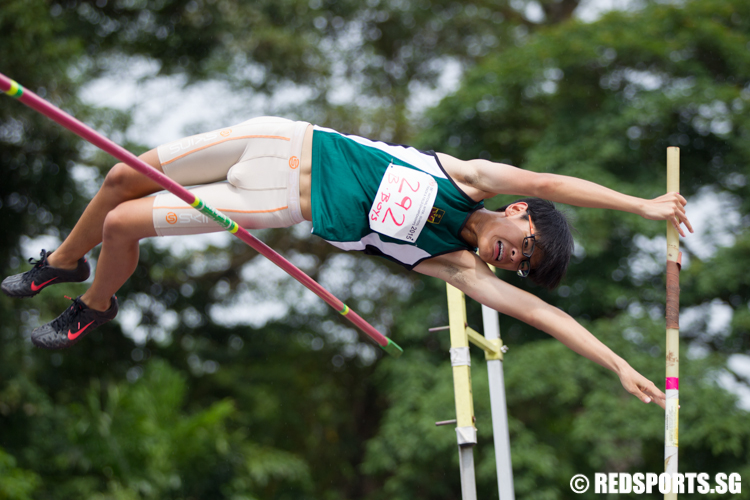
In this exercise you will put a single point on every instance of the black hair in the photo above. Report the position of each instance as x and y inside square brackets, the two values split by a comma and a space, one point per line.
[553, 236]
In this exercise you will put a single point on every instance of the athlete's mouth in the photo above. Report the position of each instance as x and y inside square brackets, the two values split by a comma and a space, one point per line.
[499, 251]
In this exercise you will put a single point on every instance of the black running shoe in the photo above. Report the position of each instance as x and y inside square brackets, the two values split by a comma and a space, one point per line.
[72, 325]
[42, 275]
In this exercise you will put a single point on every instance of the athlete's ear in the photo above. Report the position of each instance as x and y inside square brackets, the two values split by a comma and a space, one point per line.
[517, 208]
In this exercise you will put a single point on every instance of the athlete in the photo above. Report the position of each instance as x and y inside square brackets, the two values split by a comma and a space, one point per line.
[423, 210]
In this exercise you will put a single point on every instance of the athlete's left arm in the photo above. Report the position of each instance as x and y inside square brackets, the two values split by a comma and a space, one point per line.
[469, 274]
[498, 178]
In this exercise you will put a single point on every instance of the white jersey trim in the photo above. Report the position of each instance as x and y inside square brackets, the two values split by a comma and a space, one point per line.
[407, 254]
[412, 156]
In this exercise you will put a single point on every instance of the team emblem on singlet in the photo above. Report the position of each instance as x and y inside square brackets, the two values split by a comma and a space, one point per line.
[436, 215]
[403, 203]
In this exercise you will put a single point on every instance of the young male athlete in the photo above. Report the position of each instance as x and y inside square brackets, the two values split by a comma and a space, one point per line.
[421, 209]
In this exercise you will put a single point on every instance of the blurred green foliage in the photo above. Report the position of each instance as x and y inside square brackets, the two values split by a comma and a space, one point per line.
[224, 379]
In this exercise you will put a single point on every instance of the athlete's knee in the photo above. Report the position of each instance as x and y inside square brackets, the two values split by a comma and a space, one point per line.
[129, 221]
[119, 179]
[117, 225]
[125, 183]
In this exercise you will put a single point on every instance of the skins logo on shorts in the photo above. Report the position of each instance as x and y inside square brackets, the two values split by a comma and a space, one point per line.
[190, 142]
[293, 162]
[436, 215]
[225, 133]
[172, 218]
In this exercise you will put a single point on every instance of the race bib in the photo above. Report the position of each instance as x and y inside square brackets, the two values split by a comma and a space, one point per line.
[403, 203]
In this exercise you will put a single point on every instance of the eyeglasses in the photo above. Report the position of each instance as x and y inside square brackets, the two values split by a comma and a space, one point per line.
[527, 250]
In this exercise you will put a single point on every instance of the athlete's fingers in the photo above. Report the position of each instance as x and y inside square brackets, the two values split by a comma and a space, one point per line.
[675, 196]
[661, 402]
[682, 219]
[681, 213]
[653, 394]
[686, 221]
[634, 387]
[647, 391]
[676, 224]
[642, 396]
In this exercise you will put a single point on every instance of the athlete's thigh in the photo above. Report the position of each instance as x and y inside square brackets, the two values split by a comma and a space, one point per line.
[208, 157]
[151, 157]
[203, 158]
[258, 209]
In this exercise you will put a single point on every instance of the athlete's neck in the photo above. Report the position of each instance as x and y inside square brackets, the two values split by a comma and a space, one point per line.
[478, 220]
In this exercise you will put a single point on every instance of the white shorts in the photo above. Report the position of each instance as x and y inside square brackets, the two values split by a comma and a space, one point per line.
[248, 171]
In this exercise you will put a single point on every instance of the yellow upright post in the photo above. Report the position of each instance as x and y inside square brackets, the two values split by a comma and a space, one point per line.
[673, 327]
[466, 432]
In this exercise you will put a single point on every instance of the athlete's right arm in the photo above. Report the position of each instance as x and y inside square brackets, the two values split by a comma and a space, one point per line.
[485, 179]
[468, 273]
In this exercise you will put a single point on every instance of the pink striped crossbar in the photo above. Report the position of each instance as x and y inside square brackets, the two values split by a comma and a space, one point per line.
[673, 383]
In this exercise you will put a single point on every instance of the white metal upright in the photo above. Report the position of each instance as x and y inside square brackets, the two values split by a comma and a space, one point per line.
[499, 408]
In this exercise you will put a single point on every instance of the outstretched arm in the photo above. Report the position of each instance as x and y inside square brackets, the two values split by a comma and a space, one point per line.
[497, 178]
[469, 274]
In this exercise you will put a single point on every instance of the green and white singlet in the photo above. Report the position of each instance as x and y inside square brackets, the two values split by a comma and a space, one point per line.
[383, 199]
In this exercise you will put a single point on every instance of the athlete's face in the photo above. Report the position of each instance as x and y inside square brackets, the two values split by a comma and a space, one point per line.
[500, 240]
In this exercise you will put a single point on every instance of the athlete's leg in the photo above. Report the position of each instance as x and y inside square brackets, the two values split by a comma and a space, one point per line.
[262, 167]
[123, 229]
[121, 184]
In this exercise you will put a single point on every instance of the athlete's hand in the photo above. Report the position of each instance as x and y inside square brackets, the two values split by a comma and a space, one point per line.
[669, 207]
[641, 387]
